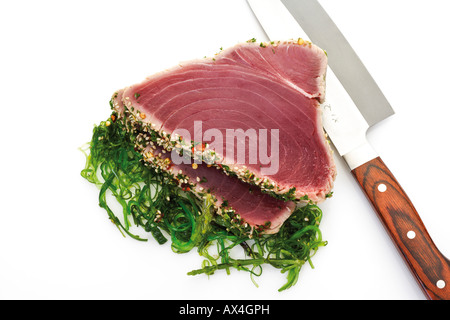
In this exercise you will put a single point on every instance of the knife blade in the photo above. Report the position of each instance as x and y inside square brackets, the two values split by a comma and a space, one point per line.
[346, 118]
[359, 84]
[343, 122]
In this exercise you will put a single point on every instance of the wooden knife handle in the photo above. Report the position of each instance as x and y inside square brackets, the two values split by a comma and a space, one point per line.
[401, 220]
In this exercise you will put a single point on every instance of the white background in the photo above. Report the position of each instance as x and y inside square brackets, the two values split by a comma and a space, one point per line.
[60, 61]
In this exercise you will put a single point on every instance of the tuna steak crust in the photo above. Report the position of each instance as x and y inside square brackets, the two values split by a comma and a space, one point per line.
[249, 88]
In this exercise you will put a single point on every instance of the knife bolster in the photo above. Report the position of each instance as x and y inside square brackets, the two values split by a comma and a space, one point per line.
[360, 155]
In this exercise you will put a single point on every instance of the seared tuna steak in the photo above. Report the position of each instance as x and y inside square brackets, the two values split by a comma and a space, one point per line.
[253, 111]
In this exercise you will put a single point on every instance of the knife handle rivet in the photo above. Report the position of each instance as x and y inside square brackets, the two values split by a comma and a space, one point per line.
[411, 234]
[382, 187]
[440, 284]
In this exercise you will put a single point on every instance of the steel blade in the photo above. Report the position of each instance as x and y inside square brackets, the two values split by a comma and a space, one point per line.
[342, 59]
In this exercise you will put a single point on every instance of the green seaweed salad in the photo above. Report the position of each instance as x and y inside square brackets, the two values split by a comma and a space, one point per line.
[149, 199]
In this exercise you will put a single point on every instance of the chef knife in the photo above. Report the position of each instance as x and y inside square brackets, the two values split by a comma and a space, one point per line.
[354, 103]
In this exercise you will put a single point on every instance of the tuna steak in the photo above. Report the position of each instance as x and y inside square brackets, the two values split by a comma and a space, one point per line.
[252, 88]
